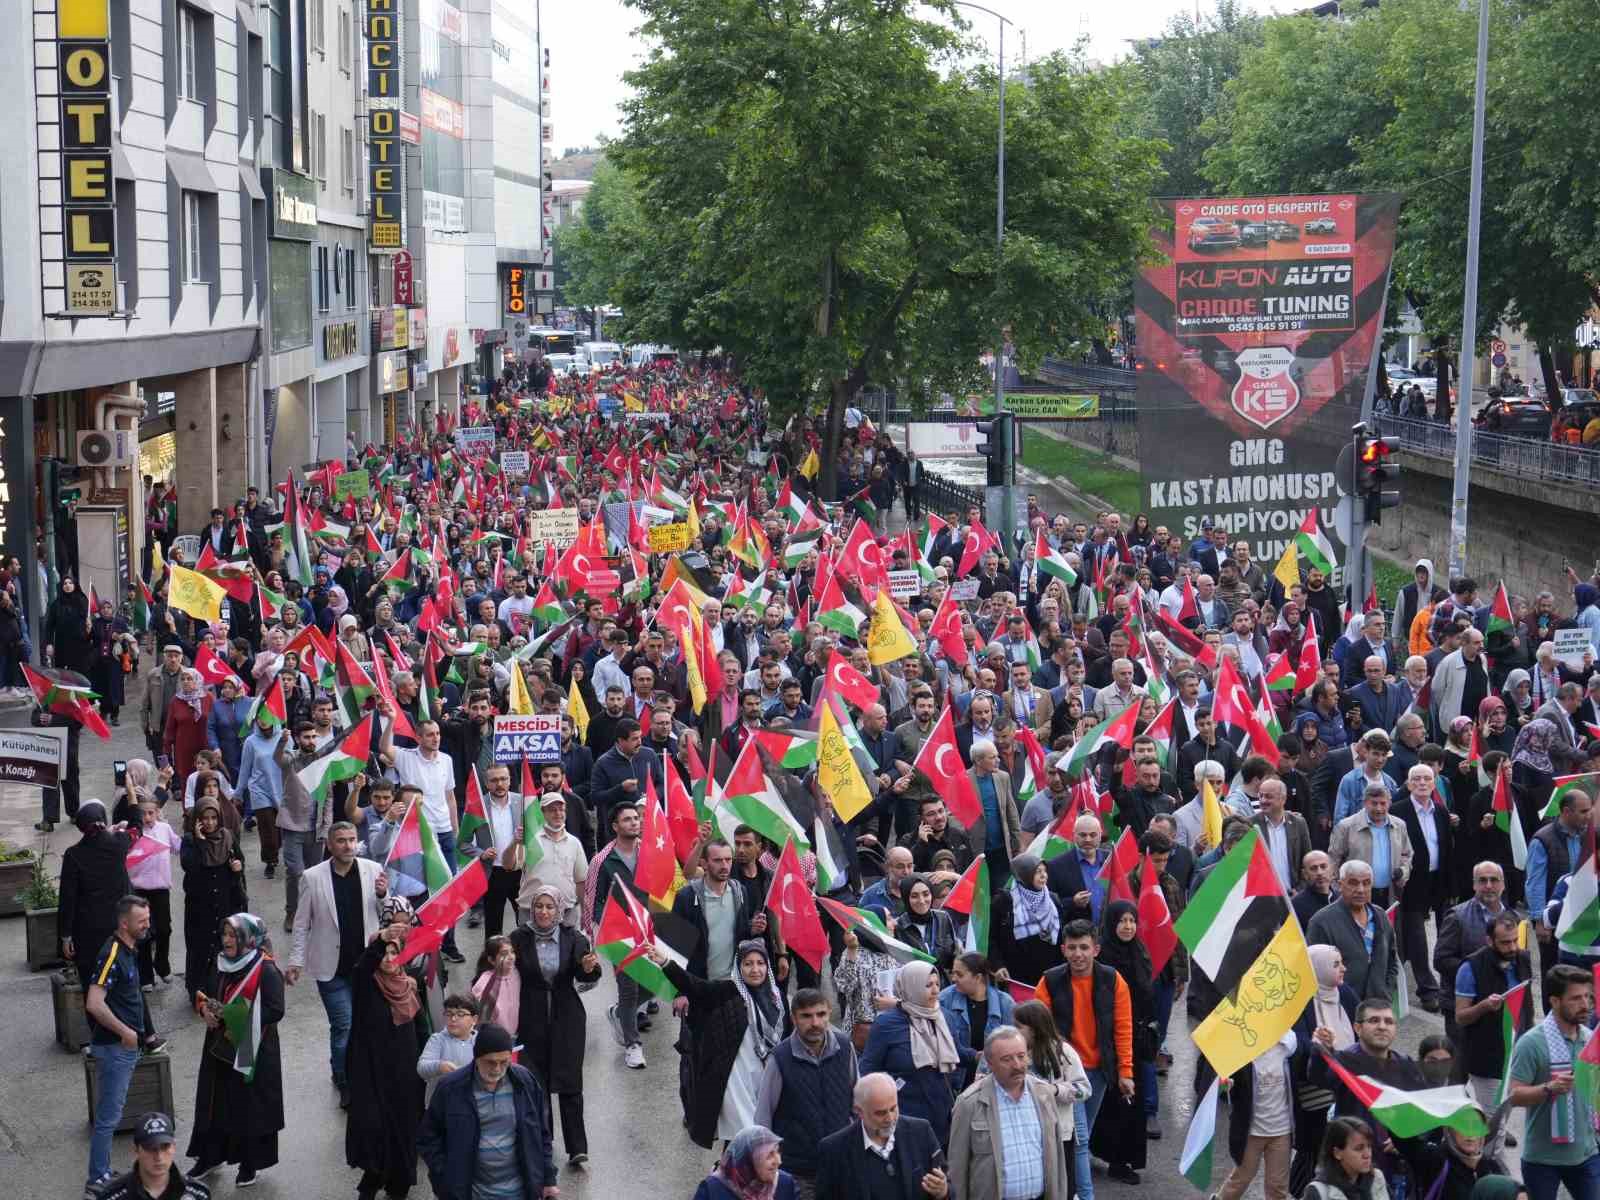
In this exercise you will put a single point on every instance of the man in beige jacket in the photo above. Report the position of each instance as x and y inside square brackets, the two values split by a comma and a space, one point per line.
[1005, 1143]
[1374, 837]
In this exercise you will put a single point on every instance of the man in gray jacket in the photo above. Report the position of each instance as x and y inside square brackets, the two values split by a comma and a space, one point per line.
[1378, 839]
[1348, 924]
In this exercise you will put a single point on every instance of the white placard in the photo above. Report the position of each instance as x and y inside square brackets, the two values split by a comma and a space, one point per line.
[1571, 645]
[515, 462]
[904, 584]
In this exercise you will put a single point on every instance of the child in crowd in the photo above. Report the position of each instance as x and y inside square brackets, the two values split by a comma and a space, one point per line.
[451, 1047]
[499, 986]
[150, 872]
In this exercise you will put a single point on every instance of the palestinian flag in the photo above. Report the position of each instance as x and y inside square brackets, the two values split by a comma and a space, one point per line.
[1235, 915]
[532, 821]
[1052, 562]
[1506, 818]
[1055, 838]
[1314, 544]
[473, 818]
[863, 504]
[793, 748]
[837, 613]
[831, 872]
[790, 503]
[297, 560]
[1500, 618]
[1588, 783]
[867, 925]
[747, 594]
[1160, 732]
[624, 933]
[802, 539]
[355, 685]
[270, 704]
[1199, 1144]
[416, 854]
[143, 603]
[241, 1019]
[1579, 926]
[748, 798]
[701, 784]
[1586, 1068]
[1117, 730]
[269, 603]
[971, 896]
[342, 761]
[67, 694]
[1409, 1114]
[1510, 1023]
[1280, 674]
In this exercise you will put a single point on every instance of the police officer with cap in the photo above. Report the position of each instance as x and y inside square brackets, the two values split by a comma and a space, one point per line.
[155, 1176]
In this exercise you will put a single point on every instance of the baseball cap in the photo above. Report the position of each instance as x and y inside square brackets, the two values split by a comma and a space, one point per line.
[155, 1130]
[549, 798]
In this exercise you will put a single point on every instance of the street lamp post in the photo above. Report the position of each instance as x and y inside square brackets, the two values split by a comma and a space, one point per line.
[999, 259]
[1469, 316]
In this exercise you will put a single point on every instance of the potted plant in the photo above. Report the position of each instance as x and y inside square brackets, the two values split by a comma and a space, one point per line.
[40, 900]
[16, 871]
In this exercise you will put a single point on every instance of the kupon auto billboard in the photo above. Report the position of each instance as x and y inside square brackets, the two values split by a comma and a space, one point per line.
[1256, 332]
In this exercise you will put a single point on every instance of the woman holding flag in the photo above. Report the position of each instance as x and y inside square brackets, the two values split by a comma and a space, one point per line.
[213, 887]
[238, 1103]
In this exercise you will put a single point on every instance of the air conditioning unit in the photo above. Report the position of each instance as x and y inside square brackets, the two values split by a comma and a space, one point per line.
[106, 448]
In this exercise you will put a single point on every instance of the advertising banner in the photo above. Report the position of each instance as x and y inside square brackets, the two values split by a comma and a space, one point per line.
[941, 439]
[1256, 334]
[1039, 406]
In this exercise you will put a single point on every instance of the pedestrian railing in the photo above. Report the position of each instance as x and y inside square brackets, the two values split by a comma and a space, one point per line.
[1533, 458]
[937, 494]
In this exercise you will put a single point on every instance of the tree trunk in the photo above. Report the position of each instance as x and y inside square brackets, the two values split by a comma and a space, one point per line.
[1547, 367]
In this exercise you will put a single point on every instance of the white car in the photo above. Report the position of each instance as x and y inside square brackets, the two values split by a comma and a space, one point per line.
[564, 365]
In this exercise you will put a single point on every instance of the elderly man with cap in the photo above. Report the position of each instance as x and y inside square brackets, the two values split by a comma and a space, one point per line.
[561, 865]
[486, 1132]
[154, 1176]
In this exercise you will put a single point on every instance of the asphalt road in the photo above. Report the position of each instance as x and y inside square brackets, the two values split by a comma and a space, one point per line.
[635, 1134]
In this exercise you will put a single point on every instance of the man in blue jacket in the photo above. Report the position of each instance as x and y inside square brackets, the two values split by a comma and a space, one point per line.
[485, 1127]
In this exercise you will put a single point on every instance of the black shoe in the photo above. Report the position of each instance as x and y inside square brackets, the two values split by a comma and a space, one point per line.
[249, 822]
[451, 954]
[45, 826]
[1510, 1141]
[1152, 1130]
[344, 1095]
[1123, 1173]
[245, 1178]
[644, 1024]
[201, 1169]
[272, 870]
[653, 1007]
[474, 919]
[155, 1044]
[1429, 1005]
[577, 1160]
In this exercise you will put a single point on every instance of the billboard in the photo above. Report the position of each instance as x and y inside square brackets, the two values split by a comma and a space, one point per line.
[1256, 332]
[442, 96]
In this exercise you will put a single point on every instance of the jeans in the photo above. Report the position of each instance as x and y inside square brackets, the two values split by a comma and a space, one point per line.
[300, 851]
[1098, 1082]
[1164, 989]
[115, 1065]
[1080, 1151]
[628, 1000]
[335, 995]
[1582, 1179]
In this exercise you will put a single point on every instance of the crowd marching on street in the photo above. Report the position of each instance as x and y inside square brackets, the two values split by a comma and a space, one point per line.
[927, 845]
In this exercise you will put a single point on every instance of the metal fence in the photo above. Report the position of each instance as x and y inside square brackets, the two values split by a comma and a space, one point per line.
[935, 493]
[1533, 458]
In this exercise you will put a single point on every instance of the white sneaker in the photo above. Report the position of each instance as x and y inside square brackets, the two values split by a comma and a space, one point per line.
[633, 1057]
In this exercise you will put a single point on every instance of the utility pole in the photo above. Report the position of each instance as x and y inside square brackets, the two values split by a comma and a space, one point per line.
[1469, 317]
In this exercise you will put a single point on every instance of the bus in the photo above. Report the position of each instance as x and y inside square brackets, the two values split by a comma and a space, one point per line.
[553, 341]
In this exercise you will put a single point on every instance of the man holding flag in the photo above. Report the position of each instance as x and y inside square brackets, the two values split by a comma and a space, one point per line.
[1547, 1065]
[1493, 1007]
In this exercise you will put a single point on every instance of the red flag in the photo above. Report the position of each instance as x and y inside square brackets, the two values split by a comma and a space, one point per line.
[654, 873]
[1155, 918]
[212, 669]
[529, 788]
[380, 680]
[444, 908]
[1119, 868]
[795, 910]
[681, 817]
[861, 559]
[946, 630]
[978, 540]
[1190, 609]
[940, 760]
[848, 683]
[1309, 667]
[144, 848]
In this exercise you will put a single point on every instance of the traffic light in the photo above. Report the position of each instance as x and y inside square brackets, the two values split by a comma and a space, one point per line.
[1377, 475]
[996, 448]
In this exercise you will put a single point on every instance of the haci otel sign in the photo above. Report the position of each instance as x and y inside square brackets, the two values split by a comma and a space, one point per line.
[385, 158]
[88, 213]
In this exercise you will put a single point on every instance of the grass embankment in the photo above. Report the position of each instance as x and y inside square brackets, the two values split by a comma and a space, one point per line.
[1085, 470]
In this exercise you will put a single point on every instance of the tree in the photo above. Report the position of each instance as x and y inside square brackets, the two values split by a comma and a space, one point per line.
[591, 253]
[816, 190]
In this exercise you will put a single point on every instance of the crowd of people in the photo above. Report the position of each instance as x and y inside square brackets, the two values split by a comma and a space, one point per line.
[925, 729]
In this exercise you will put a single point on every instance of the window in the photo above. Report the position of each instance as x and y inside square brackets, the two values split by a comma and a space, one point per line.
[194, 268]
[347, 161]
[188, 54]
[322, 279]
[349, 277]
[346, 49]
[319, 25]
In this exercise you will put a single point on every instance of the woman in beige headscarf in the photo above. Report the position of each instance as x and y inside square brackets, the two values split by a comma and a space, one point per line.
[912, 1043]
[1328, 1019]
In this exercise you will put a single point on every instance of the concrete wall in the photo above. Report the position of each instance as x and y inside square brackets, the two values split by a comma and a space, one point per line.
[196, 421]
[1520, 530]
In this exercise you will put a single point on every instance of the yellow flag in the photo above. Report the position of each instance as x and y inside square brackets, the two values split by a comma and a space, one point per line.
[691, 637]
[1287, 572]
[632, 403]
[693, 521]
[158, 562]
[887, 639]
[1522, 935]
[811, 465]
[837, 772]
[1211, 815]
[517, 698]
[1271, 997]
[578, 711]
[192, 593]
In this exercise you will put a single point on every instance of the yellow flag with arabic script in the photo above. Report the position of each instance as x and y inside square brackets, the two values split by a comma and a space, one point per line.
[837, 771]
[1271, 996]
[191, 592]
[578, 711]
[887, 639]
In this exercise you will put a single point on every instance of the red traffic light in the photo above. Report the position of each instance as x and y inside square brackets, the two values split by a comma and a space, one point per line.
[1374, 451]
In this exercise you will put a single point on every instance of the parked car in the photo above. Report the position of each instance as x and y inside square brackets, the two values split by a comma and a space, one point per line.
[1212, 233]
[1574, 396]
[1515, 416]
[1322, 225]
[1255, 234]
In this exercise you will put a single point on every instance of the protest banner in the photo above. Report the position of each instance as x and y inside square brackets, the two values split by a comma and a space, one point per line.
[1571, 645]
[515, 462]
[475, 441]
[666, 538]
[904, 584]
[535, 739]
[356, 484]
[558, 525]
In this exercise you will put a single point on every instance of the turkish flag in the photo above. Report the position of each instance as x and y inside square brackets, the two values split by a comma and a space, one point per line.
[681, 818]
[940, 760]
[848, 683]
[1155, 918]
[861, 559]
[655, 871]
[795, 909]
[1190, 609]
[946, 630]
[213, 670]
[1119, 867]
[979, 540]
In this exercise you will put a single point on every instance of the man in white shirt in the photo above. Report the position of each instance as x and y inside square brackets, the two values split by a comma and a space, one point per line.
[424, 767]
[608, 672]
[516, 610]
[563, 865]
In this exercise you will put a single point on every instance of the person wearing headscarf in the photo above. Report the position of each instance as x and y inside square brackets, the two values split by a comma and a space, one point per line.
[1332, 1008]
[238, 1105]
[213, 889]
[555, 961]
[1120, 1129]
[67, 644]
[1025, 922]
[388, 1027]
[924, 926]
[1533, 771]
[1459, 770]
[109, 641]
[912, 1043]
[1517, 693]
[750, 1170]
[1495, 731]
[94, 876]
[734, 1025]
[185, 730]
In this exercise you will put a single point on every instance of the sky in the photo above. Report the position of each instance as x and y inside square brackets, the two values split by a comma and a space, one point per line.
[592, 43]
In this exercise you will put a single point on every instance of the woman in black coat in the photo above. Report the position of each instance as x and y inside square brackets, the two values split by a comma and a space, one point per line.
[213, 890]
[1119, 1131]
[1028, 954]
[388, 1027]
[66, 628]
[926, 928]
[552, 958]
[238, 1102]
[106, 634]
[94, 876]
[720, 1021]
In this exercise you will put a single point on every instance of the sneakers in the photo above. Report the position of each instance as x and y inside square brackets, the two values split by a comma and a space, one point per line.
[653, 1007]
[92, 1189]
[616, 1026]
[155, 1044]
[272, 870]
[451, 954]
[577, 1160]
[201, 1170]
[633, 1057]
[147, 988]
[246, 1177]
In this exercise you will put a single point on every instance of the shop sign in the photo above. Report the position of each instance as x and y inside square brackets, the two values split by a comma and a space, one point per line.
[340, 339]
[293, 211]
[516, 291]
[402, 277]
[385, 161]
[392, 375]
[419, 329]
[88, 229]
[402, 328]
